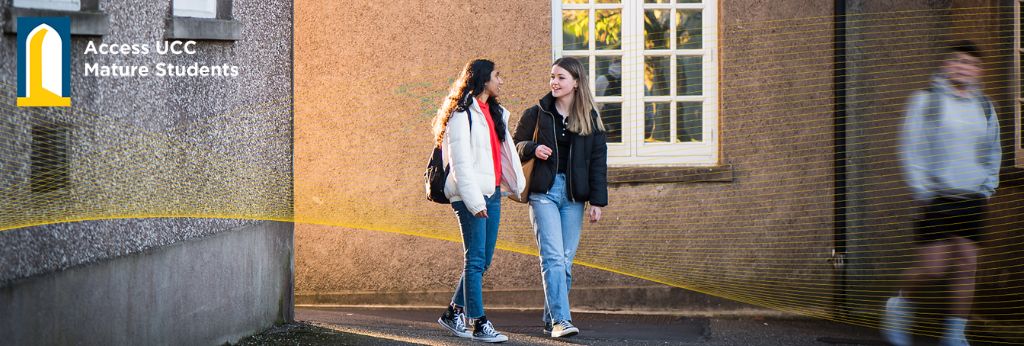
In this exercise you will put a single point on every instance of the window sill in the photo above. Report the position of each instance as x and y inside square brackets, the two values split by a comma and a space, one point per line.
[660, 175]
[188, 28]
[83, 23]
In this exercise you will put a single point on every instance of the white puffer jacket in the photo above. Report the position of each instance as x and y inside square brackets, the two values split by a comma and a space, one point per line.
[468, 154]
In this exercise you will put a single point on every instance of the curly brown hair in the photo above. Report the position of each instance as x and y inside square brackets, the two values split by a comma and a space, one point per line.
[471, 82]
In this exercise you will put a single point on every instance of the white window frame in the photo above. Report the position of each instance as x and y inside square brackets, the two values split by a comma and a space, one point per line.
[633, 151]
[1018, 92]
[65, 5]
[195, 8]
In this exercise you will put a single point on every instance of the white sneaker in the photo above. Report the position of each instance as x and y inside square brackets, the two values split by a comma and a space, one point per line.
[563, 329]
[896, 321]
[486, 333]
[456, 323]
[954, 335]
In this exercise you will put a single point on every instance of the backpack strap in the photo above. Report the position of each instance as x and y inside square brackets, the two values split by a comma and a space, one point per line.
[934, 105]
[931, 114]
[469, 113]
[987, 104]
[931, 122]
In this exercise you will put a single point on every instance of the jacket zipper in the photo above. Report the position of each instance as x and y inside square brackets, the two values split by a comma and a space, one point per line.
[555, 134]
[568, 170]
[568, 174]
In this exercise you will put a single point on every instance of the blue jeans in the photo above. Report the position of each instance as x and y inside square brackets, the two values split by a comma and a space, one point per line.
[556, 223]
[478, 239]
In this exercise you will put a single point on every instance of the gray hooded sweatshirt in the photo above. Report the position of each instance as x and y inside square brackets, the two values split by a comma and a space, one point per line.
[952, 151]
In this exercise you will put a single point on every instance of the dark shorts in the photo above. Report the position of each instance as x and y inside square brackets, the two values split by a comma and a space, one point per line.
[945, 218]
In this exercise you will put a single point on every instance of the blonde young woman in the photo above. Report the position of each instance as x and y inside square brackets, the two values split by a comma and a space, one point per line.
[472, 129]
[571, 170]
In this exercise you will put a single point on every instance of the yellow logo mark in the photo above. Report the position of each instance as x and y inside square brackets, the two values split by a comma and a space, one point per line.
[38, 94]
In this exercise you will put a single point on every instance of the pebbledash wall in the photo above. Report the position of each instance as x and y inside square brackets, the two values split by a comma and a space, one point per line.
[378, 73]
[153, 280]
[774, 180]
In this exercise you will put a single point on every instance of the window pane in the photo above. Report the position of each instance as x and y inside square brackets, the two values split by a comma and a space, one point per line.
[656, 1]
[657, 76]
[575, 29]
[689, 76]
[611, 114]
[195, 8]
[608, 1]
[584, 60]
[69, 5]
[657, 122]
[689, 122]
[609, 76]
[574, 1]
[608, 29]
[688, 29]
[688, 1]
[656, 29]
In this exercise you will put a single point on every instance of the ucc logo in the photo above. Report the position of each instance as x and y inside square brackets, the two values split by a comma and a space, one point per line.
[44, 62]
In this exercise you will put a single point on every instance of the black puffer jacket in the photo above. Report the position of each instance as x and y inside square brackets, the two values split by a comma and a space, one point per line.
[587, 174]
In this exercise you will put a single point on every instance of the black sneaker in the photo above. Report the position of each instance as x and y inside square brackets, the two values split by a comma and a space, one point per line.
[547, 327]
[455, 321]
[485, 332]
[563, 329]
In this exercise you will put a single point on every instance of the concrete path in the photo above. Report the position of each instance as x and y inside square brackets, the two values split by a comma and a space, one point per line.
[390, 326]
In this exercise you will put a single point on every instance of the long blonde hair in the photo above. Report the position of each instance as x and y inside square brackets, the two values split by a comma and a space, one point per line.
[582, 100]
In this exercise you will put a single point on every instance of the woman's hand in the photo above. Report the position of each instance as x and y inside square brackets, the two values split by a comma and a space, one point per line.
[482, 214]
[595, 214]
[542, 152]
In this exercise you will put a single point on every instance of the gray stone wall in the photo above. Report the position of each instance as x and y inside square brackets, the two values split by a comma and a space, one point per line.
[141, 147]
[162, 233]
[200, 292]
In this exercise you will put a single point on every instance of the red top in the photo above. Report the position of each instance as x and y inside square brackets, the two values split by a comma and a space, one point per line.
[495, 144]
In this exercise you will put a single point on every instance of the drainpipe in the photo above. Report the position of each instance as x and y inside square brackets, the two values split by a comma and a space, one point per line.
[840, 306]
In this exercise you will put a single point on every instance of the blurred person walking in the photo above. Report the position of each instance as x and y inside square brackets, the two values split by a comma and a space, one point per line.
[951, 159]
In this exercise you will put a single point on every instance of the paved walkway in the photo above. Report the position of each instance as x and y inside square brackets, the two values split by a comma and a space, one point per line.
[390, 326]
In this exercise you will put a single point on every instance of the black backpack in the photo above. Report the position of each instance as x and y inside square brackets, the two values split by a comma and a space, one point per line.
[437, 172]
